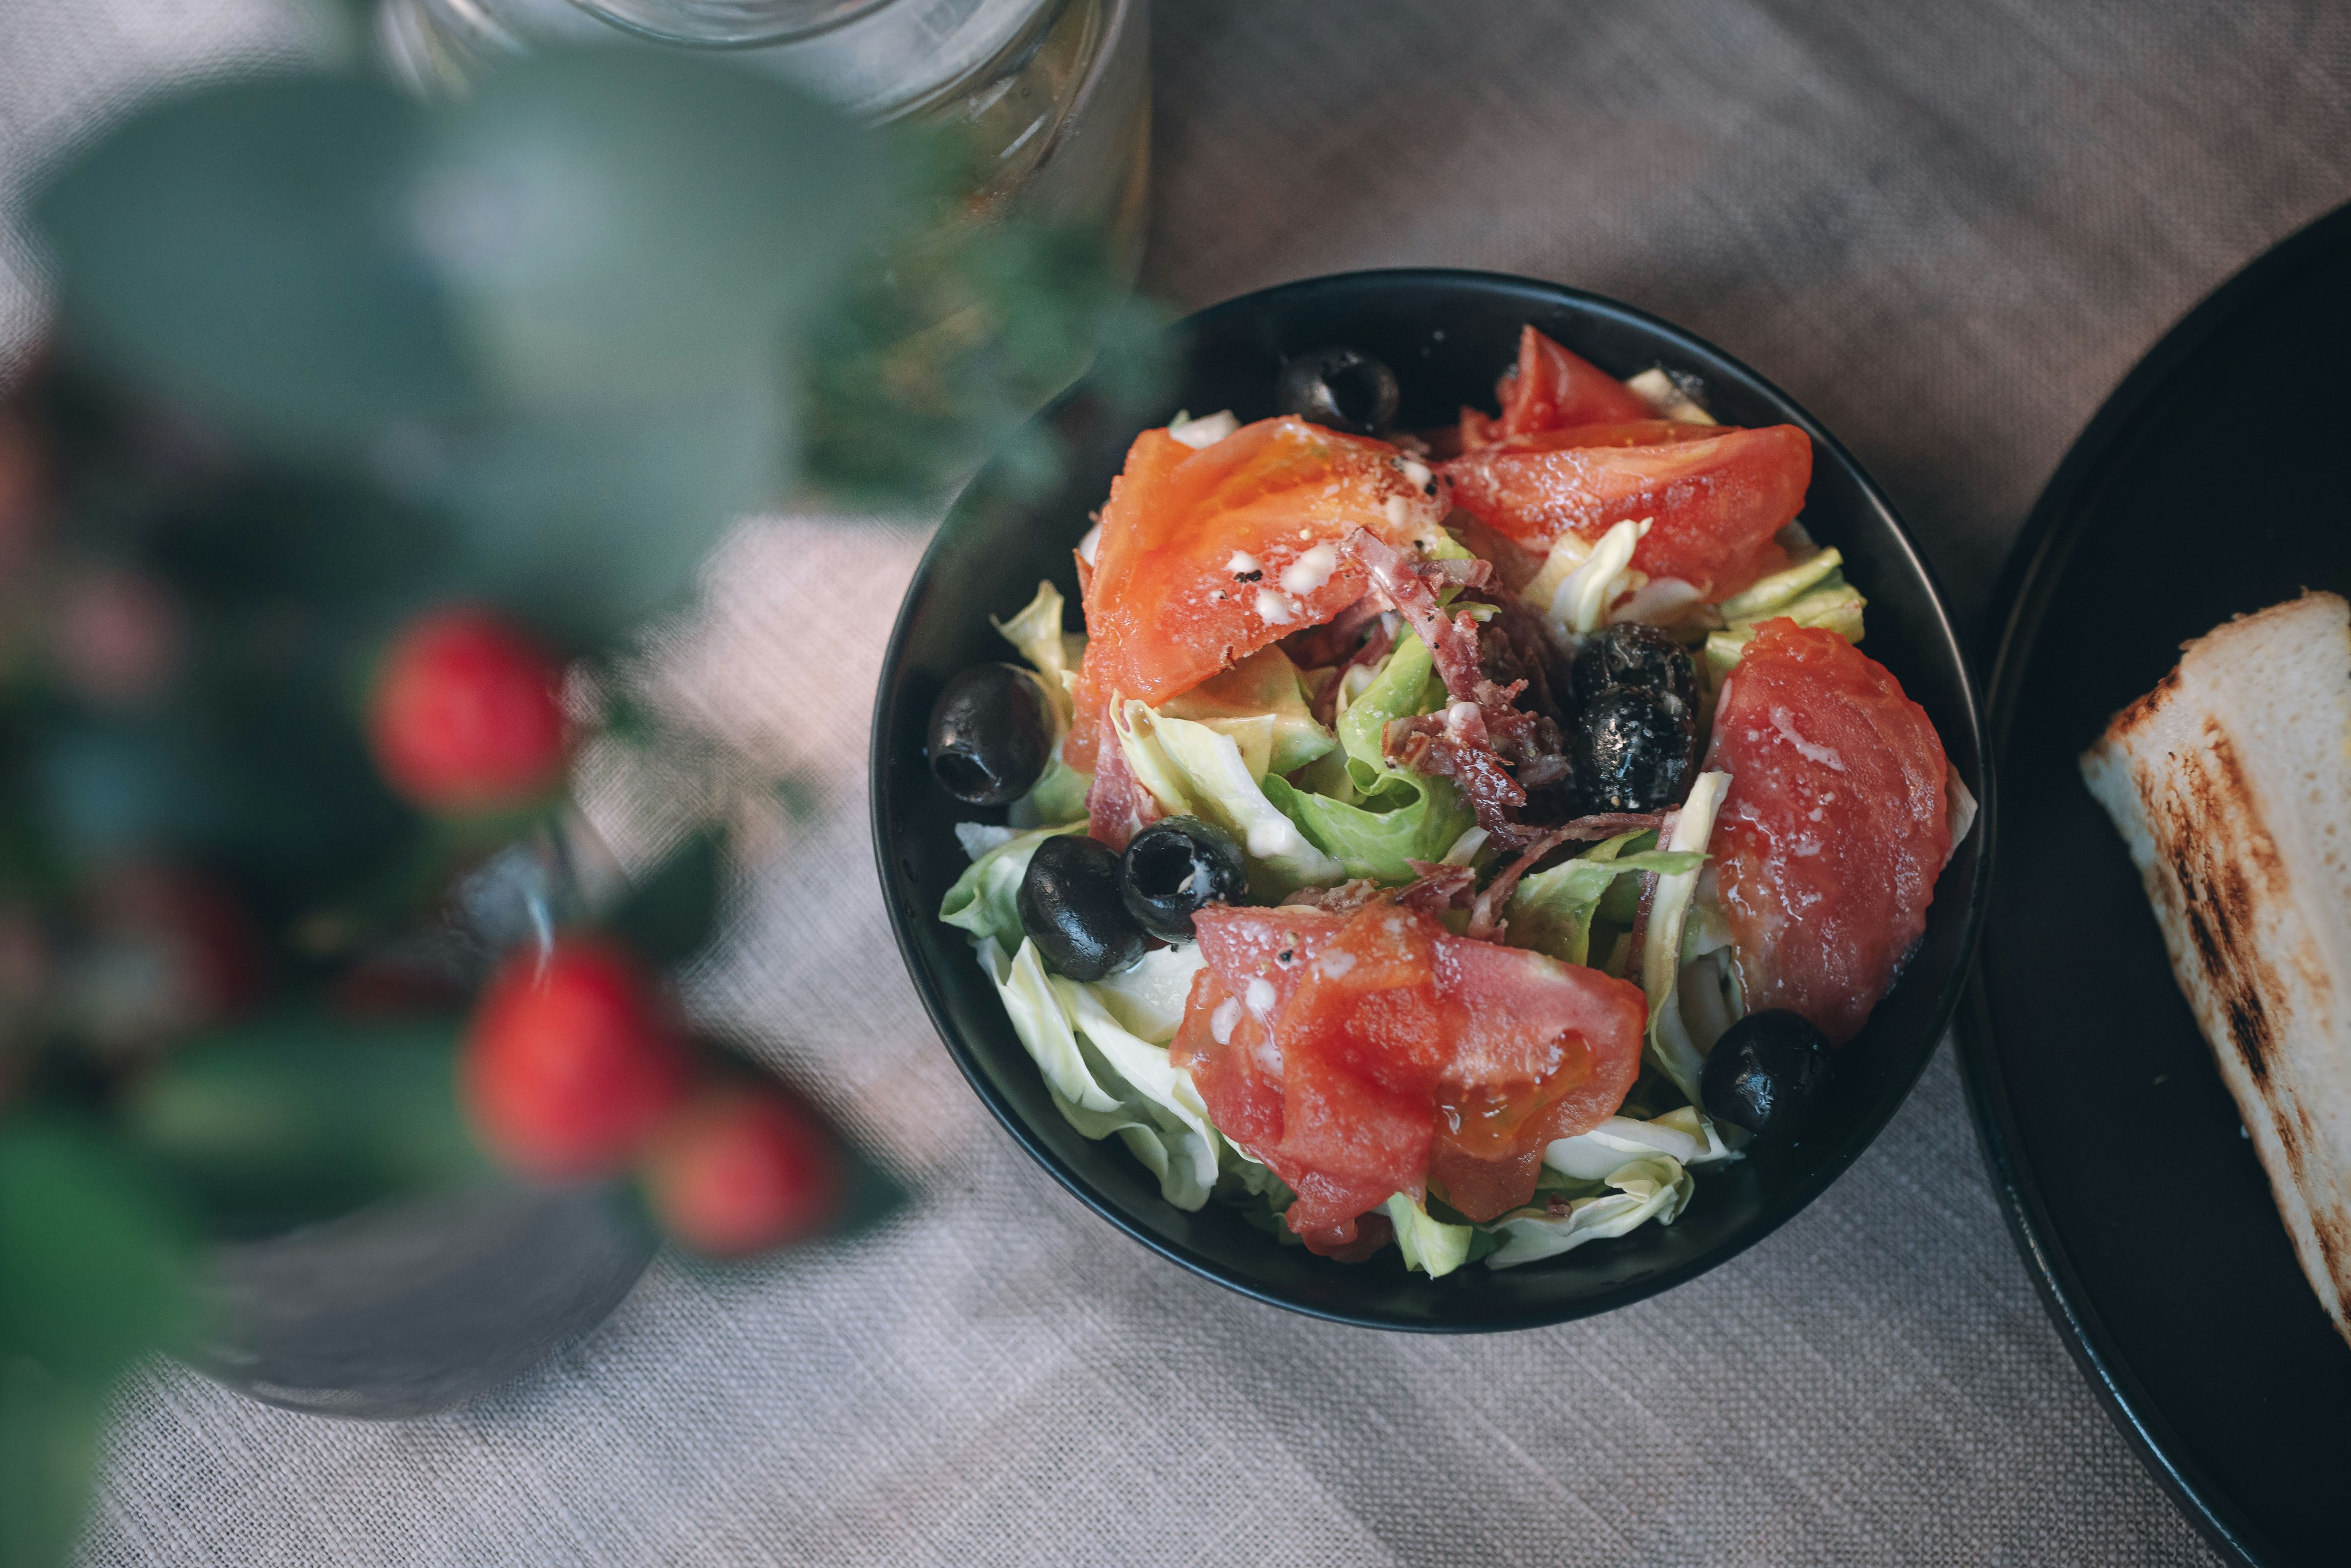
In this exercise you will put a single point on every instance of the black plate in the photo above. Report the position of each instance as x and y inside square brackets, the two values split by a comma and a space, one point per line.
[2209, 486]
[1447, 335]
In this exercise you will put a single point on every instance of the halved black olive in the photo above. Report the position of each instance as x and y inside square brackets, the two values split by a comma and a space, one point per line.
[1071, 909]
[1176, 867]
[1629, 653]
[992, 732]
[1343, 389]
[1630, 749]
[1766, 1071]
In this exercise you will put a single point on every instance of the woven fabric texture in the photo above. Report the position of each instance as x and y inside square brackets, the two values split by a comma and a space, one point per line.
[1946, 229]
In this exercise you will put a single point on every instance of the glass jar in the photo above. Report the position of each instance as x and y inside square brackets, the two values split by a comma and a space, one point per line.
[1054, 95]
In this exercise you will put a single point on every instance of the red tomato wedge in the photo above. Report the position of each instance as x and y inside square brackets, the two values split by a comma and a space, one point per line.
[1206, 557]
[1359, 1056]
[1550, 389]
[1834, 827]
[1715, 495]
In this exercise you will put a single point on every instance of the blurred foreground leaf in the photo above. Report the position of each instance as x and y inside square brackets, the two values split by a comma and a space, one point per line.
[939, 353]
[94, 1273]
[560, 311]
[244, 248]
[300, 1117]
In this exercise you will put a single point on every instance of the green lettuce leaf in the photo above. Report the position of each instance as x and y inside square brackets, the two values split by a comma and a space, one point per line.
[1685, 1135]
[1551, 911]
[1431, 1246]
[1656, 1188]
[1412, 818]
[982, 901]
[1811, 593]
[1037, 632]
[1407, 685]
[1061, 795]
[1193, 770]
[1260, 704]
[1103, 1079]
[1670, 1047]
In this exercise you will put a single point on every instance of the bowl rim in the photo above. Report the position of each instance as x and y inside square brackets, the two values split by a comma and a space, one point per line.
[1858, 1137]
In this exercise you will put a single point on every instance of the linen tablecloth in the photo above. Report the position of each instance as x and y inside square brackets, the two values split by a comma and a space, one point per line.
[1947, 230]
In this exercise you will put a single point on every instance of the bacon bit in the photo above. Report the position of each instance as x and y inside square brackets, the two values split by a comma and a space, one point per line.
[1493, 793]
[1476, 759]
[1438, 888]
[1117, 807]
[1485, 922]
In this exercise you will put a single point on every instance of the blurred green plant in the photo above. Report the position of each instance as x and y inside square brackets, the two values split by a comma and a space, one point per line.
[328, 358]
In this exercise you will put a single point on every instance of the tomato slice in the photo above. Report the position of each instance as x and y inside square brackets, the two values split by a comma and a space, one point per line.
[1206, 557]
[1835, 826]
[1550, 389]
[1715, 496]
[1541, 1051]
[1360, 1056]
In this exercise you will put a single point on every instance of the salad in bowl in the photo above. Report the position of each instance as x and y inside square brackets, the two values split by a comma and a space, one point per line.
[1463, 841]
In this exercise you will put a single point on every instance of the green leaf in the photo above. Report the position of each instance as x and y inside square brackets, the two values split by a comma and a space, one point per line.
[941, 346]
[1413, 818]
[94, 1260]
[669, 915]
[984, 899]
[48, 1452]
[1405, 685]
[1551, 911]
[95, 1272]
[303, 1116]
[615, 228]
[246, 248]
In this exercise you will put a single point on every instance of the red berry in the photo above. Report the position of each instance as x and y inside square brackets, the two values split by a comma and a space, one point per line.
[571, 1059]
[466, 716]
[743, 1169]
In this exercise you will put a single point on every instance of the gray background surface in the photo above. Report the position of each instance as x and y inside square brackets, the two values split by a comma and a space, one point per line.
[1947, 230]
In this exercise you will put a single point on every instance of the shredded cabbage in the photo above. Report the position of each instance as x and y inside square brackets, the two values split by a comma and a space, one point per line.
[1104, 1079]
[1412, 818]
[1551, 911]
[1813, 592]
[1431, 1246]
[1656, 1188]
[1670, 1047]
[1193, 770]
[984, 899]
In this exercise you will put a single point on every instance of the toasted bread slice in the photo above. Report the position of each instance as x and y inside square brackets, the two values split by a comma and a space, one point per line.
[2231, 783]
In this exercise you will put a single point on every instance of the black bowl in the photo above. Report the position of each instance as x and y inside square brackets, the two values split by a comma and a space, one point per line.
[1447, 335]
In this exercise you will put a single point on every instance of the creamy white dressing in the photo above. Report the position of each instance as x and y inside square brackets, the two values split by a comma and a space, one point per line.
[1311, 570]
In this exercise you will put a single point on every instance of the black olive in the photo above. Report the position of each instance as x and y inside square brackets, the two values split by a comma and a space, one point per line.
[1630, 749]
[1176, 867]
[992, 732]
[1071, 909]
[1632, 654]
[1765, 1072]
[1345, 389]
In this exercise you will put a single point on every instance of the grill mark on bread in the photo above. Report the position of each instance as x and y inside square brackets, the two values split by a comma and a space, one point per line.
[2146, 707]
[2213, 833]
